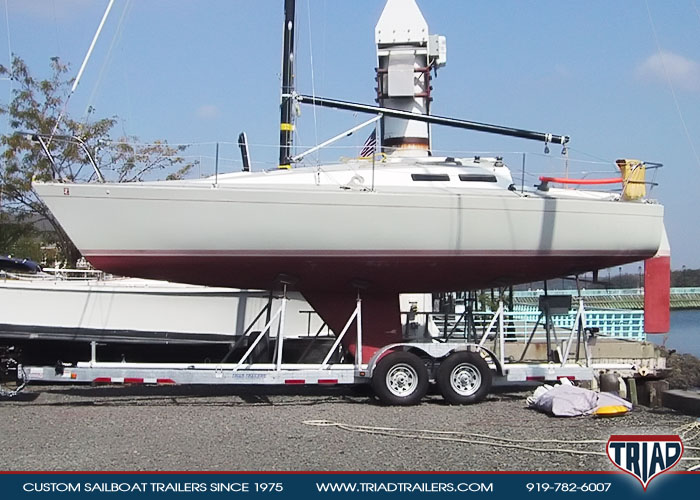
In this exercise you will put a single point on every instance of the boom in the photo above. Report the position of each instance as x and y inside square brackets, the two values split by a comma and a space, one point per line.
[438, 120]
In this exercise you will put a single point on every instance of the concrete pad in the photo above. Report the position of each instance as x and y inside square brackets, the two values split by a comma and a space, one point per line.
[687, 402]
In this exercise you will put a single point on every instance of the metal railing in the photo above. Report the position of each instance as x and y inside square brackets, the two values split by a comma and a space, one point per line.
[519, 324]
[598, 292]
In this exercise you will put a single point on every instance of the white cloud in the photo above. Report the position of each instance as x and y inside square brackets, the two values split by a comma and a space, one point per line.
[208, 112]
[663, 66]
[50, 9]
[561, 71]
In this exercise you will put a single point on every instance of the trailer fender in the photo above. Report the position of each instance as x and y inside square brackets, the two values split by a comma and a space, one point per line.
[477, 348]
[434, 351]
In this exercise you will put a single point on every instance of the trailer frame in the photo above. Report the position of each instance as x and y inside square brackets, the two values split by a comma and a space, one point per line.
[432, 355]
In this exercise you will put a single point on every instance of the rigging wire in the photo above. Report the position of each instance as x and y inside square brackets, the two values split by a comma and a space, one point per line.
[599, 159]
[57, 34]
[11, 86]
[92, 46]
[467, 153]
[580, 167]
[9, 42]
[80, 71]
[670, 85]
[107, 60]
[313, 78]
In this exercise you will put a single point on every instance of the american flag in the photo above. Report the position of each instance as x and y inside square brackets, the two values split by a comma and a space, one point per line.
[370, 145]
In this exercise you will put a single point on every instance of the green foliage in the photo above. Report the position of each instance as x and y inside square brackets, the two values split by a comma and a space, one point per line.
[27, 246]
[685, 277]
[127, 162]
[12, 230]
[38, 107]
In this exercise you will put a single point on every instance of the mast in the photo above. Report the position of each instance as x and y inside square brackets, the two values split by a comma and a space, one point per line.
[406, 53]
[287, 102]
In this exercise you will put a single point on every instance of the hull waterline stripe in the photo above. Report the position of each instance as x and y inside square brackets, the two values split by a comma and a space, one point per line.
[363, 253]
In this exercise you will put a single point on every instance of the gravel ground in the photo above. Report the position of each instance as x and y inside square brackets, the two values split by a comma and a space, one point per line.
[236, 429]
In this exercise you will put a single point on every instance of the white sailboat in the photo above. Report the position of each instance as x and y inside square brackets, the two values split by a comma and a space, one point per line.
[131, 310]
[412, 222]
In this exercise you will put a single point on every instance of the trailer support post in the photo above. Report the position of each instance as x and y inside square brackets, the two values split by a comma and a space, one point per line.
[280, 330]
[501, 334]
[257, 340]
[324, 364]
[358, 350]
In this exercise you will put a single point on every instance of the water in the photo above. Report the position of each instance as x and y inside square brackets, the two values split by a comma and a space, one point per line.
[685, 332]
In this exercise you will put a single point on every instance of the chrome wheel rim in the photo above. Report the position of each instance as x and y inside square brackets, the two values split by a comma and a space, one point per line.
[465, 379]
[402, 380]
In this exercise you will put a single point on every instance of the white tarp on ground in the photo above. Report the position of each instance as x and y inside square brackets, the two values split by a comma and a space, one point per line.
[565, 400]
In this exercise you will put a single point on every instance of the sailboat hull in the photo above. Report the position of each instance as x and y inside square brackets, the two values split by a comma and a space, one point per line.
[403, 240]
[406, 240]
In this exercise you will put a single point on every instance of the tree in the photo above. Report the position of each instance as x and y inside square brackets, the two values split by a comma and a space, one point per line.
[37, 109]
[12, 230]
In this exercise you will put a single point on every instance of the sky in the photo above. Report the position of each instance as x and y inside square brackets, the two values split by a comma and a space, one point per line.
[621, 78]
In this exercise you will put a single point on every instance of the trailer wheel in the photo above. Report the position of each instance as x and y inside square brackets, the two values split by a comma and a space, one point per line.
[400, 378]
[464, 378]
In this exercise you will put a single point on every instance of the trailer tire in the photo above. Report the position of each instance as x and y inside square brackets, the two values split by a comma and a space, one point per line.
[400, 378]
[464, 378]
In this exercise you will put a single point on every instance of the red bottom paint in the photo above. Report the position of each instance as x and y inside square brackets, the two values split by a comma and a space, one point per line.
[326, 281]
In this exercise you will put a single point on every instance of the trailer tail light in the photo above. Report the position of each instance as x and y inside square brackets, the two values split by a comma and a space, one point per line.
[295, 381]
[328, 381]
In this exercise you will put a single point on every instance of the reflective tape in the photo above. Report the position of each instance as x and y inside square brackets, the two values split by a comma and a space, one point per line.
[132, 380]
[294, 381]
[329, 381]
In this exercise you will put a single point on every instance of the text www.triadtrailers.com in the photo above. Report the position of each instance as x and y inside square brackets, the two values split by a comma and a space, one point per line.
[371, 487]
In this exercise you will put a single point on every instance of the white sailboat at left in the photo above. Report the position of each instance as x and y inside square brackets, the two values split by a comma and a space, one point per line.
[126, 310]
[118, 311]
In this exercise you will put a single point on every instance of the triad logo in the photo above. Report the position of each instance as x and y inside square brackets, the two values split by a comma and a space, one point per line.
[645, 457]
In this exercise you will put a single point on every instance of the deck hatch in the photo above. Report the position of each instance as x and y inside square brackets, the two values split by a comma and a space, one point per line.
[430, 177]
[477, 178]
